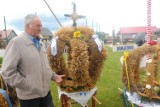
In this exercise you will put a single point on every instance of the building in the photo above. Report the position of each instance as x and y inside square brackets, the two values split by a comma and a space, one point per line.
[157, 32]
[6, 36]
[46, 36]
[127, 33]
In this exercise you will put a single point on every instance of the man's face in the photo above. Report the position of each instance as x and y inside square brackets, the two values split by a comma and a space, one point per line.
[35, 27]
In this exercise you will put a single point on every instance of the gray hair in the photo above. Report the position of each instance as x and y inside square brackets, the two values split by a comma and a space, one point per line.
[29, 18]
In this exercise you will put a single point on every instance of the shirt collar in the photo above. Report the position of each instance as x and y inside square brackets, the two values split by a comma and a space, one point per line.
[32, 38]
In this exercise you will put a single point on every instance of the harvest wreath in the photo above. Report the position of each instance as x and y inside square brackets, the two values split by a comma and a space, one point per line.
[84, 61]
[149, 87]
[10, 91]
[3, 102]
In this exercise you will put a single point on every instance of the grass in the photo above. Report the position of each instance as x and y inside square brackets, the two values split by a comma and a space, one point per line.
[1, 60]
[108, 84]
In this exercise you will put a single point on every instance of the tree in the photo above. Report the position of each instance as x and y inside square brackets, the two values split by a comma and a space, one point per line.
[2, 42]
[103, 36]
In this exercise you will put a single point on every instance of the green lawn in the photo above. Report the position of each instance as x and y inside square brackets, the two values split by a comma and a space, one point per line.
[108, 84]
[1, 59]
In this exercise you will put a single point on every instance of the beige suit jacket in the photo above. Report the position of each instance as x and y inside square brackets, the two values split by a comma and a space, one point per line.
[27, 68]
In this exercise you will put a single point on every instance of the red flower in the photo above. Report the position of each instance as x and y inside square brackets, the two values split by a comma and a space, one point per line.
[152, 43]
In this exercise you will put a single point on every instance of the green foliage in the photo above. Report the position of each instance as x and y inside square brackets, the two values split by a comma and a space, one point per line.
[102, 35]
[107, 86]
[1, 59]
[2, 43]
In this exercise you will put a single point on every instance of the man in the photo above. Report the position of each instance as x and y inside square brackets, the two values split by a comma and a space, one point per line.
[26, 66]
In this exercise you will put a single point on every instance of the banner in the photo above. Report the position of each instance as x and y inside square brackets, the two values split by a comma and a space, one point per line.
[123, 47]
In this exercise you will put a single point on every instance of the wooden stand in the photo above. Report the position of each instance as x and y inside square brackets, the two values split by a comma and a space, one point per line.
[65, 101]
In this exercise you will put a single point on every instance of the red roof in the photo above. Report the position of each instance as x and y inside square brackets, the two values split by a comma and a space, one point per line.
[2, 32]
[133, 30]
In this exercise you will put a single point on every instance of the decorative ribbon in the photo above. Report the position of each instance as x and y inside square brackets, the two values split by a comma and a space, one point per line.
[125, 56]
[54, 49]
[3, 92]
[98, 42]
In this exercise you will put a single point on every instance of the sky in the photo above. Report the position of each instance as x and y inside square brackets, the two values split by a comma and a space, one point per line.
[101, 15]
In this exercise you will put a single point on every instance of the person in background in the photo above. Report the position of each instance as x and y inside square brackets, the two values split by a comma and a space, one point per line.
[26, 66]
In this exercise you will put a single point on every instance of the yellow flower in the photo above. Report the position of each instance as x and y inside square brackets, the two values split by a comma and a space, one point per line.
[77, 34]
[126, 54]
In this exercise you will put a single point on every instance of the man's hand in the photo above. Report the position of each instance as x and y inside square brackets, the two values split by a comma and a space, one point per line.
[59, 79]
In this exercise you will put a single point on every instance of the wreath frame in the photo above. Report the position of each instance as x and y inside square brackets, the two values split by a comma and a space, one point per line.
[143, 88]
[82, 75]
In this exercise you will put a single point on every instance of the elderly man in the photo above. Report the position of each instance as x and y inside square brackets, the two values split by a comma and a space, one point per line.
[26, 66]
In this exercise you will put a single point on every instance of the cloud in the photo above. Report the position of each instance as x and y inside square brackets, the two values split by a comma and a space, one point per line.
[106, 13]
[47, 21]
[17, 23]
